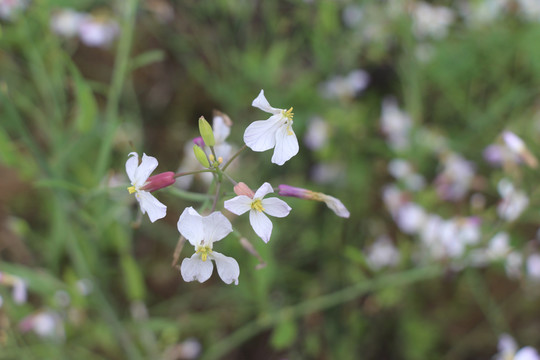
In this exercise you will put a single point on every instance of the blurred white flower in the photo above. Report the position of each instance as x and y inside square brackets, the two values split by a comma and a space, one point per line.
[395, 124]
[393, 199]
[497, 155]
[316, 135]
[98, 32]
[455, 180]
[66, 22]
[276, 132]
[46, 324]
[517, 146]
[514, 262]
[402, 170]
[449, 238]
[345, 87]
[221, 127]
[352, 15]
[431, 21]
[202, 232]
[258, 207]
[530, 9]
[498, 249]
[138, 175]
[410, 218]
[382, 253]
[513, 202]
[533, 266]
[10, 8]
[508, 350]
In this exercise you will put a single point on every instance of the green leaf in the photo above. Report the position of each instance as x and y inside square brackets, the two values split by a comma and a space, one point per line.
[201, 156]
[86, 103]
[134, 280]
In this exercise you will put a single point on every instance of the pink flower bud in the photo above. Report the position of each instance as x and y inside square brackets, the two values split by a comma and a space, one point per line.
[242, 189]
[286, 190]
[159, 181]
[199, 141]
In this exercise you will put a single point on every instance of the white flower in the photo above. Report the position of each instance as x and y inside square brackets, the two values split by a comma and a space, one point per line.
[96, 32]
[432, 20]
[46, 324]
[316, 135]
[202, 232]
[382, 253]
[138, 174]
[276, 132]
[533, 266]
[221, 127]
[455, 180]
[513, 203]
[395, 124]
[66, 22]
[11, 8]
[257, 206]
[508, 350]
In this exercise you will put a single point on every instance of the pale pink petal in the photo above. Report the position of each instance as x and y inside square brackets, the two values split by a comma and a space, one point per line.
[286, 145]
[220, 128]
[216, 226]
[263, 104]
[190, 225]
[261, 135]
[195, 268]
[336, 206]
[227, 268]
[148, 164]
[261, 224]
[151, 205]
[238, 205]
[276, 207]
[527, 353]
[265, 189]
[131, 165]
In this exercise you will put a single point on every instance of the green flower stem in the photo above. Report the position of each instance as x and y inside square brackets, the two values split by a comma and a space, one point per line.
[216, 197]
[121, 67]
[234, 157]
[187, 195]
[266, 321]
[192, 172]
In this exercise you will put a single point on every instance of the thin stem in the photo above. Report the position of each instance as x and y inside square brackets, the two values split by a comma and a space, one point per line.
[187, 195]
[220, 348]
[234, 157]
[216, 197]
[177, 175]
[230, 178]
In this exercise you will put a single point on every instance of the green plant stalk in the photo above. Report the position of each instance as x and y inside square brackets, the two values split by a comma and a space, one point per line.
[121, 68]
[234, 157]
[220, 348]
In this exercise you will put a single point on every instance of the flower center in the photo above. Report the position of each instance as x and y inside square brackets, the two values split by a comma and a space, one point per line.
[257, 205]
[131, 189]
[204, 251]
[287, 114]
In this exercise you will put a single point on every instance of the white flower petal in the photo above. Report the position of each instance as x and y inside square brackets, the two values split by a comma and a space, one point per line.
[190, 225]
[527, 353]
[261, 135]
[263, 104]
[151, 205]
[131, 165]
[286, 145]
[276, 207]
[148, 164]
[195, 269]
[215, 226]
[220, 128]
[336, 206]
[265, 189]
[238, 205]
[227, 267]
[261, 224]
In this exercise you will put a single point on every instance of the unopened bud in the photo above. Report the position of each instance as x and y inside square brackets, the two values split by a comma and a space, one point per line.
[199, 141]
[333, 204]
[159, 181]
[206, 132]
[517, 146]
[201, 156]
[242, 189]
[286, 190]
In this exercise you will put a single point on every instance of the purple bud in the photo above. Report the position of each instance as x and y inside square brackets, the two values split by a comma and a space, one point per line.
[286, 190]
[159, 181]
[199, 141]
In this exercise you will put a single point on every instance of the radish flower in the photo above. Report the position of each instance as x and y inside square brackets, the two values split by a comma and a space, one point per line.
[202, 232]
[257, 207]
[138, 175]
[276, 132]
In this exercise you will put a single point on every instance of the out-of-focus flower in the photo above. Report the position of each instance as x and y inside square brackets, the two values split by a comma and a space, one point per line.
[395, 124]
[514, 262]
[530, 9]
[410, 218]
[316, 135]
[431, 21]
[188, 349]
[202, 232]
[66, 22]
[518, 147]
[498, 249]
[11, 8]
[257, 207]
[455, 180]
[345, 87]
[328, 173]
[402, 170]
[533, 266]
[382, 253]
[508, 350]
[498, 155]
[333, 203]
[221, 127]
[18, 285]
[352, 15]
[139, 177]
[46, 324]
[513, 202]
[96, 31]
[276, 132]
[483, 11]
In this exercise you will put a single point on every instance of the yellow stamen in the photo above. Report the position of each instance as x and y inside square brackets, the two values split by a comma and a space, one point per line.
[204, 251]
[257, 205]
[131, 189]
[220, 160]
[211, 157]
[288, 114]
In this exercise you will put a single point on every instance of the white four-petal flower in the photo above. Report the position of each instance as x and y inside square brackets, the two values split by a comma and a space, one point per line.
[138, 174]
[276, 132]
[257, 206]
[202, 232]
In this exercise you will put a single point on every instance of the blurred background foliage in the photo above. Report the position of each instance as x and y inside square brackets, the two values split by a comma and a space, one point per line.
[70, 113]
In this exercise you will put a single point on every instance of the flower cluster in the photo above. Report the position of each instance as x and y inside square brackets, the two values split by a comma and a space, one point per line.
[214, 154]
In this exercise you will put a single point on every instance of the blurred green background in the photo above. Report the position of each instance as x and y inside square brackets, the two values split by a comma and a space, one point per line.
[70, 113]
